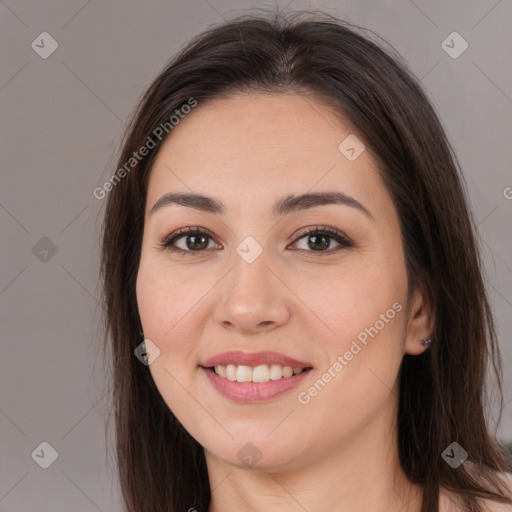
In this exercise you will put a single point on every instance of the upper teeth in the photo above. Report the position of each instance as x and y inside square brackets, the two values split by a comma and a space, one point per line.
[261, 373]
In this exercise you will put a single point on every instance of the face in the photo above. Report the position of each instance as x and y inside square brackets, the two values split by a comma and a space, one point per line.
[318, 286]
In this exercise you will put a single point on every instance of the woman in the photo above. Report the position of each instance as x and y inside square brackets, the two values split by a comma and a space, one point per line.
[293, 291]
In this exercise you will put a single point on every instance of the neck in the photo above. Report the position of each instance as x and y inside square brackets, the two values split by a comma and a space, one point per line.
[361, 472]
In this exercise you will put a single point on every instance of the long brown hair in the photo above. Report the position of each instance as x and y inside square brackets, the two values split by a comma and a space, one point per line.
[442, 395]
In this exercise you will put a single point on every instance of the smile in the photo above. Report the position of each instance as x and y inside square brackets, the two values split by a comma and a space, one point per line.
[250, 391]
[260, 373]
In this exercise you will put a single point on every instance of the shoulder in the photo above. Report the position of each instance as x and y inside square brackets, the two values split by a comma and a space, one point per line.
[450, 502]
[494, 506]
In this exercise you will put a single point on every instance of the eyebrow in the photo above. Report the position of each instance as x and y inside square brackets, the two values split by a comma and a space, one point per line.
[282, 207]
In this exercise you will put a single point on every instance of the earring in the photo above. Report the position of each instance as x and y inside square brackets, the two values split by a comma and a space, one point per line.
[426, 342]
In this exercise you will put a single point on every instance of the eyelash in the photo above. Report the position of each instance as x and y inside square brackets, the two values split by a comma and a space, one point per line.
[168, 242]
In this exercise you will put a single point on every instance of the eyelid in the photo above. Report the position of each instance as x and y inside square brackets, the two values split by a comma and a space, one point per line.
[320, 228]
[167, 242]
[340, 238]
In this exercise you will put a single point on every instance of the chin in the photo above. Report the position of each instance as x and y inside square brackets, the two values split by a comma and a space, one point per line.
[258, 454]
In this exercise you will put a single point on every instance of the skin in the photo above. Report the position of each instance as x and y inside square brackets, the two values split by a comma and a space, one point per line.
[337, 452]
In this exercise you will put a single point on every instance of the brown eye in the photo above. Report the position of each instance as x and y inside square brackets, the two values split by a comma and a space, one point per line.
[319, 239]
[195, 240]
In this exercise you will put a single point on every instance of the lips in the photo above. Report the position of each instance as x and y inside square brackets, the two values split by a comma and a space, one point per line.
[253, 392]
[253, 359]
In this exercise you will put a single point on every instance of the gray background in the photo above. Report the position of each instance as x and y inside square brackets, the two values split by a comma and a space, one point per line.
[61, 123]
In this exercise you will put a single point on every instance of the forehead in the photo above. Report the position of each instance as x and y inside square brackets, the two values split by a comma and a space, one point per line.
[256, 146]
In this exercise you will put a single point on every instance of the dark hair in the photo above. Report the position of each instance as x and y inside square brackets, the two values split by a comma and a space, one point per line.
[442, 391]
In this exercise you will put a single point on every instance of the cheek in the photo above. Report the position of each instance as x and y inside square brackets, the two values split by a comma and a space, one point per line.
[161, 304]
[162, 295]
[362, 312]
[375, 313]
[173, 308]
[152, 302]
[162, 309]
[348, 300]
[364, 357]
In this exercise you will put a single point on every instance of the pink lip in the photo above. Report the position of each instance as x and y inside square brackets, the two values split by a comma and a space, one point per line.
[253, 391]
[253, 359]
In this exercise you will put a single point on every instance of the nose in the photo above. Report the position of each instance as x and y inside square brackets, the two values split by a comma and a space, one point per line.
[252, 298]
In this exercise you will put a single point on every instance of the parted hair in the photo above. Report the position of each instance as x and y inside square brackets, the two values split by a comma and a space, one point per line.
[443, 395]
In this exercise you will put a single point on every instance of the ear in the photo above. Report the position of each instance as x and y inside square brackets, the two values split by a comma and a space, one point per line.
[420, 322]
